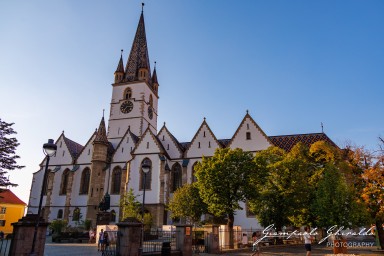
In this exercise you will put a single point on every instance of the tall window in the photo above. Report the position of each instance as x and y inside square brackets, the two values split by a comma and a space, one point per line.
[248, 135]
[64, 182]
[76, 214]
[128, 93]
[84, 185]
[148, 177]
[116, 180]
[150, 101]
[176, 177]
[60, 214]
[45, 189]
[194, 179]
[113, 216]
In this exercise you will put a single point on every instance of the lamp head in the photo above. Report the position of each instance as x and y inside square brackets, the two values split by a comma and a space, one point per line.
[50, 148]
[146, 167]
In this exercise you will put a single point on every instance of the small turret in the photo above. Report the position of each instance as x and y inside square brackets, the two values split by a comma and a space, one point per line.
[155, 83]
[119, 73]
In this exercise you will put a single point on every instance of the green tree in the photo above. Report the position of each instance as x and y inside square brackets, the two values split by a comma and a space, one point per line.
[187, 203]
[338, 186]
[223, 181]
[282, 186]
[130, 206]
[8, 155]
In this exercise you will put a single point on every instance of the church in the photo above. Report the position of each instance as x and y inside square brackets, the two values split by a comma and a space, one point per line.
[111, 160]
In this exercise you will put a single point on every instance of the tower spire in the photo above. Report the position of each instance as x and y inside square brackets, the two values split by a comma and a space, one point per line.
[101, 136]
[138, 68]
[119, 73]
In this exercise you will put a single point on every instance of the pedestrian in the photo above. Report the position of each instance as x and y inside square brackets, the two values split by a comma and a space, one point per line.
[91, 235]
[307, 240]
[255, 244]
[1, 235]
[101, 240]
[244, 241]
[106, 240]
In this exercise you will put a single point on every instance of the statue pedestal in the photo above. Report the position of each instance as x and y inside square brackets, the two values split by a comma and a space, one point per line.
[103, 218]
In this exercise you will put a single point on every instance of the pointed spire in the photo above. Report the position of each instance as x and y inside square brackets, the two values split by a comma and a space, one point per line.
[120, 66]
[119, 73]
[101, 135]
[138, 58]
[154, 76]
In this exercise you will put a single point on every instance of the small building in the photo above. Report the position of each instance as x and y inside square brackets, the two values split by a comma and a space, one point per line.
[11, 210]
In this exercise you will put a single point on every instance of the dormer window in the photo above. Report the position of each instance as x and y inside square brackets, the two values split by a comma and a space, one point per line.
[128, 93]
[143, 74]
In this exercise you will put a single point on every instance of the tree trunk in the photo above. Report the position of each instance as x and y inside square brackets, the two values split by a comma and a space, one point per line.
[380, 233]
[231, 219]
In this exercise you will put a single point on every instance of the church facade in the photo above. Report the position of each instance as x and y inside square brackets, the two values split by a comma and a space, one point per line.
[110, 161]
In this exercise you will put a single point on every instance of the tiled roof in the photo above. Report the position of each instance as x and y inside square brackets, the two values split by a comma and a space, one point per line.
[7, 197]
[101, 135]
[138, 57]
[224, 142]
[184, 145]
[73, 147]
[287, 142]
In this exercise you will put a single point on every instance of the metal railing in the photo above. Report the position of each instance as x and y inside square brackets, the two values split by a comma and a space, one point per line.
[112, 247]
[153, 240]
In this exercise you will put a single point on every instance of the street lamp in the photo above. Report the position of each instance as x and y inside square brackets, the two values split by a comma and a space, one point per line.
[49, 150]
[145, 167]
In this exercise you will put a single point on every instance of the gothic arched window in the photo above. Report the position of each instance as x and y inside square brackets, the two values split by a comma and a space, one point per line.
[150, 101]
[45, 189]
[128, 93]
[116, 180]
[64, 182]
[148, 176]
[60, 214]
[85, 178]
[76, 214]
[194, 179]
[176, 177]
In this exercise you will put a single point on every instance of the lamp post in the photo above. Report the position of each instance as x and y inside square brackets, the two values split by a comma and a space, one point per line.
[49, 150]
[145, 167]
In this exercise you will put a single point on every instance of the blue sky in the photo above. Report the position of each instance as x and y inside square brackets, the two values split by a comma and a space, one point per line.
[292, 64]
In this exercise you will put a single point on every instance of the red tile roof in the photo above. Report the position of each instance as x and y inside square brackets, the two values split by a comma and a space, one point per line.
[287, 142]
[7, 197]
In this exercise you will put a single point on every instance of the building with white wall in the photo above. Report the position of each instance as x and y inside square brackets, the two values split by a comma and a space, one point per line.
[110, 160]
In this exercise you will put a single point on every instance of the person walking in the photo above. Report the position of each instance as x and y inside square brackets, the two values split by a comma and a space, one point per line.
[106, 240]
[255, 245]
[101, 241]
[307, 240]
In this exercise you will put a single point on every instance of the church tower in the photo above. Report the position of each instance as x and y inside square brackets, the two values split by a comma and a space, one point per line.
[134, 92]
[99, 163]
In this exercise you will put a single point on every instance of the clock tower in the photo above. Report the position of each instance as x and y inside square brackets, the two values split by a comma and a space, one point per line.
[134, 92]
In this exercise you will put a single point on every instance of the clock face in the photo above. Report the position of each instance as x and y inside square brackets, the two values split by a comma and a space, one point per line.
[126, 106]
[150, 112]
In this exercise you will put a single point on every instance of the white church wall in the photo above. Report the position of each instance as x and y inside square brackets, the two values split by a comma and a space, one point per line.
[203, 144]
[257, 139]
[86, 155]
[245, 222]
[34, 196]
[62, 156]
[152, 194]
[169, 144]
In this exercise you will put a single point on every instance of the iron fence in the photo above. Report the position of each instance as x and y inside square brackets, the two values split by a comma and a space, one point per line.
[112, 247]
[153, 240]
